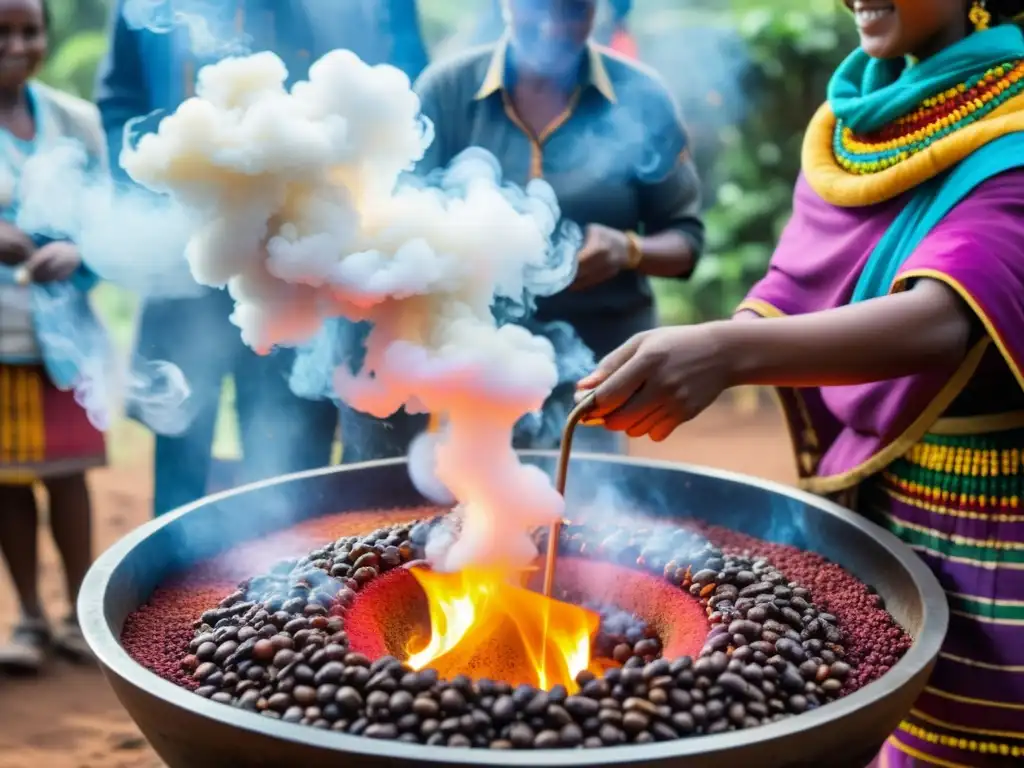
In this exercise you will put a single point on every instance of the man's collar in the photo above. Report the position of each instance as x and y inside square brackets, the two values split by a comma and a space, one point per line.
[595, 73]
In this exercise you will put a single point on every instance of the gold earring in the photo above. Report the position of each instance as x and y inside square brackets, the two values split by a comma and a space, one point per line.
[979, 16]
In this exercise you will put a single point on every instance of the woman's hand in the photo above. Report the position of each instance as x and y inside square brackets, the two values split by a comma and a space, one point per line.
[659, 379]
[53, 262]
[604, 254]
[15, 246]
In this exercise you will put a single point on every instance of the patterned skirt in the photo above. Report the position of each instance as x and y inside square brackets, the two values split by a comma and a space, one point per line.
[956, 501]
[44, 432]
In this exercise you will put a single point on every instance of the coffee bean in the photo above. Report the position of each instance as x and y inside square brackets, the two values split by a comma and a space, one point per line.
[840, 670]
[611, 736]
[704, 577]
[425, 707]
[452, 701]
[643, 706]
[557, 716]
[521, 735]
[622, 652]
[206, 651]
[609, 715]
[832, 686]
[571, 735]
[332, 673]
[647, 647]
[537, 704]
[349, 699]
[384, 731]
[304, 695]
[224, 651]
[581, 707]
[790, 650]
[367, 560]
[400, 703]
[364, 575]
[757, 588]
[546, 740]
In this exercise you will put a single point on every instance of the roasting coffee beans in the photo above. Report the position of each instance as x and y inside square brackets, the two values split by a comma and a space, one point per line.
[277, 646]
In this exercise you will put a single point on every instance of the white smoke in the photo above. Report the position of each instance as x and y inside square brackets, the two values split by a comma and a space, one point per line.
[126, 236]
[156, 390]
[301, 213]
[165, 16]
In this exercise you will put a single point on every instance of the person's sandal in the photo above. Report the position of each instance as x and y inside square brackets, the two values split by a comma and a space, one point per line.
[27, 650]
[70, 643]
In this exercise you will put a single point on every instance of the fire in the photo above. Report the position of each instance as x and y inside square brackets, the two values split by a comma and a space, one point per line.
[485, 627]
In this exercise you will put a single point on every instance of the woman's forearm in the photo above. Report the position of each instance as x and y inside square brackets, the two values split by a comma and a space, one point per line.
[925, 328]
[667, 254]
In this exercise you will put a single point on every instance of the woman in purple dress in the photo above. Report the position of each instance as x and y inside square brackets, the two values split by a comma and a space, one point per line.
[892, 324]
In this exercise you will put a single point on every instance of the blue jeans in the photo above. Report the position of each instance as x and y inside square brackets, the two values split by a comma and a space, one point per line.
[280, 433]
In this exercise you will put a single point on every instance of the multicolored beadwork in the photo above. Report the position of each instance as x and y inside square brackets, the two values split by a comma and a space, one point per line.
[932, 120]
[976, 474]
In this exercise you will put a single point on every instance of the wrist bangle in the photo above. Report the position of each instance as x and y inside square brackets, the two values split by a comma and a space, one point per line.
[634, 250]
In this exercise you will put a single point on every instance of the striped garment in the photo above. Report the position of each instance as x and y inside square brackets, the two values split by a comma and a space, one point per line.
[44, 432]
[956, 501]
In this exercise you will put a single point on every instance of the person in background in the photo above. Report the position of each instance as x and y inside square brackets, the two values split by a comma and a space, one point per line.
[45, 436]
[146, 71]
[891, 320]
[620, 39]
[606, 135]
[611, 30]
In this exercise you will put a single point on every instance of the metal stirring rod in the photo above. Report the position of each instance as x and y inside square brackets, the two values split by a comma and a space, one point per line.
[576, 416]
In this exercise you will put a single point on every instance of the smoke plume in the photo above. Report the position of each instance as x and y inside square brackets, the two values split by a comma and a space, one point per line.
[300, 210]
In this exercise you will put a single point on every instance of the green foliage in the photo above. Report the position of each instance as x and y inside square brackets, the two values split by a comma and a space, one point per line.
[792, 54]
[77, 43]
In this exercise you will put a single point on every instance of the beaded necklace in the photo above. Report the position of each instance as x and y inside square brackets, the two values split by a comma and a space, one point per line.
[932, 120]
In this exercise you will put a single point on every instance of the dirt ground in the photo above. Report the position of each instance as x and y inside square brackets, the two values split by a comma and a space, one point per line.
[69, 718]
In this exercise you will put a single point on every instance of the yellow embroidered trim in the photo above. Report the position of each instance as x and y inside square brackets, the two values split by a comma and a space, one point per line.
[919, 755]
[965, 745]
[961, 461]
[939, 501]
[836, 186]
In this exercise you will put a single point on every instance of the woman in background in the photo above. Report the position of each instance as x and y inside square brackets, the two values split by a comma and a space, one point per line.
[45, 436]
[607, 136]
[893, 326]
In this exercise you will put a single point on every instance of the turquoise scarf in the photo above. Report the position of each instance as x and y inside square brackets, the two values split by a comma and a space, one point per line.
[867, 93]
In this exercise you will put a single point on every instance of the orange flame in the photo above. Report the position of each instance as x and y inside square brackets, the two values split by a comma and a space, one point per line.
[485, 627]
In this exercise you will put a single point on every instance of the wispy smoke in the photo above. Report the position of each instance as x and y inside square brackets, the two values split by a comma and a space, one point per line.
[208, 37]
[156, 390]
[128, 237]
[300, 212]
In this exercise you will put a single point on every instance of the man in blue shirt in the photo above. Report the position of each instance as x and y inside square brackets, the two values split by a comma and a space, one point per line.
[147, 70]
